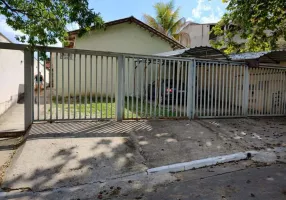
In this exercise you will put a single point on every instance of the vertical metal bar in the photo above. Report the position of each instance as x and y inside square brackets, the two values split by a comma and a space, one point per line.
[63, 86]
[190, 101]
[250, 87]
[79, 86]
[177, 87]
[213, 113]
[173, 87]
[74, 88]
[38, 80]
[156, 84]
[51, 87]
[209, 89]
[113, 86]
[164, 89]
[226, 91]
[284, 92]
[215, 90]
[101, 77]
[134, 88]
[230, 89]
[181, 88]
[146, 88]
[194, 67]
[272, 92]
[128, 92]
[33, 82]
[271, 89]
[106, 88]
[262, 91]
[45, 99]
[169, 87]
[201, 88]
[205, 88]
[120, 88]
[96, 98]
[219, 90]
[266, 91]
[69, 96]
[236, 94]
[90, 89]
[185, 88]
[28, 88]
[276, 91]
[240, 89]
[233, 88]
[234, 91]
[159, 87]
[141, 88]
[151, 88]
[256, 91]
[197, 85]
[136, 85]
[246, 90]
[223, 90]
[281, 92]
[57, 86]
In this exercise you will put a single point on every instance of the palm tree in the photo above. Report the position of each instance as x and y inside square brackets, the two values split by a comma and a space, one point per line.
[167, 21]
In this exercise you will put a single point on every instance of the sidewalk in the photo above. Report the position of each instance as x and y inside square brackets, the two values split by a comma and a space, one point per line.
[79, 153]
[13, 119]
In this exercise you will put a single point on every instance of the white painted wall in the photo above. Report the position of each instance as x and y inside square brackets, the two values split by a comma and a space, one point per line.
[124, 38]
[11, 76]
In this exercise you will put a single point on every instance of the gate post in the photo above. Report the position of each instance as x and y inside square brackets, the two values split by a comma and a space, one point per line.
[28, 88]
[191, 89]
[245, 91]
[119, 91]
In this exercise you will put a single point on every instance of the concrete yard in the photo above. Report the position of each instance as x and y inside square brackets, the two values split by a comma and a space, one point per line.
[71, 154]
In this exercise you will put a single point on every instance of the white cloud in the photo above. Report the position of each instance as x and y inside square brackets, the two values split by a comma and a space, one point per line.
[190, 19]
[201, 7]
[212, 18]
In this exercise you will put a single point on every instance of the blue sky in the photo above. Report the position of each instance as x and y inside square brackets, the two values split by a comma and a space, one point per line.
[202, 11]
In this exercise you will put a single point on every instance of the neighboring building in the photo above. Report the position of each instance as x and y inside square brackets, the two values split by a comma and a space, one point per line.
[128, 35]
[12, 75]
[200, 34]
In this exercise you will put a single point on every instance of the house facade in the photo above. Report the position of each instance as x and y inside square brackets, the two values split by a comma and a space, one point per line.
[96, 74]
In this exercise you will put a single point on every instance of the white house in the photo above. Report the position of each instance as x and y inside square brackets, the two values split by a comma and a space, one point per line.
[12, 75]
[128, 35]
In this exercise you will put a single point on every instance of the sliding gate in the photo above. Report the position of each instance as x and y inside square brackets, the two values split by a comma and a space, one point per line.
[72, 84]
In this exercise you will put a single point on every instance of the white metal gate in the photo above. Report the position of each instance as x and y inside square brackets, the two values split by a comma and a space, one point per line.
[219, 89]
[267, 89]
[81, 87]
[156, 87]
[93, 85]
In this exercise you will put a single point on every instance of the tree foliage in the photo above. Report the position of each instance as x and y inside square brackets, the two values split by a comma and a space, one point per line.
[260, 24]
[44, 21]
[167, 20]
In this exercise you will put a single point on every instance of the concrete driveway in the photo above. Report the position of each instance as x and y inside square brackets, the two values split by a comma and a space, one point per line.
[76, 153]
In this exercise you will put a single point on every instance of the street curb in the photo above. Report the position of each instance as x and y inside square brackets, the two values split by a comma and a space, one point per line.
[202, 163]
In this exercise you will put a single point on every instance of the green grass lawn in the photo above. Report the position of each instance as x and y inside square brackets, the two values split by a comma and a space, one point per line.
[100, 109]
